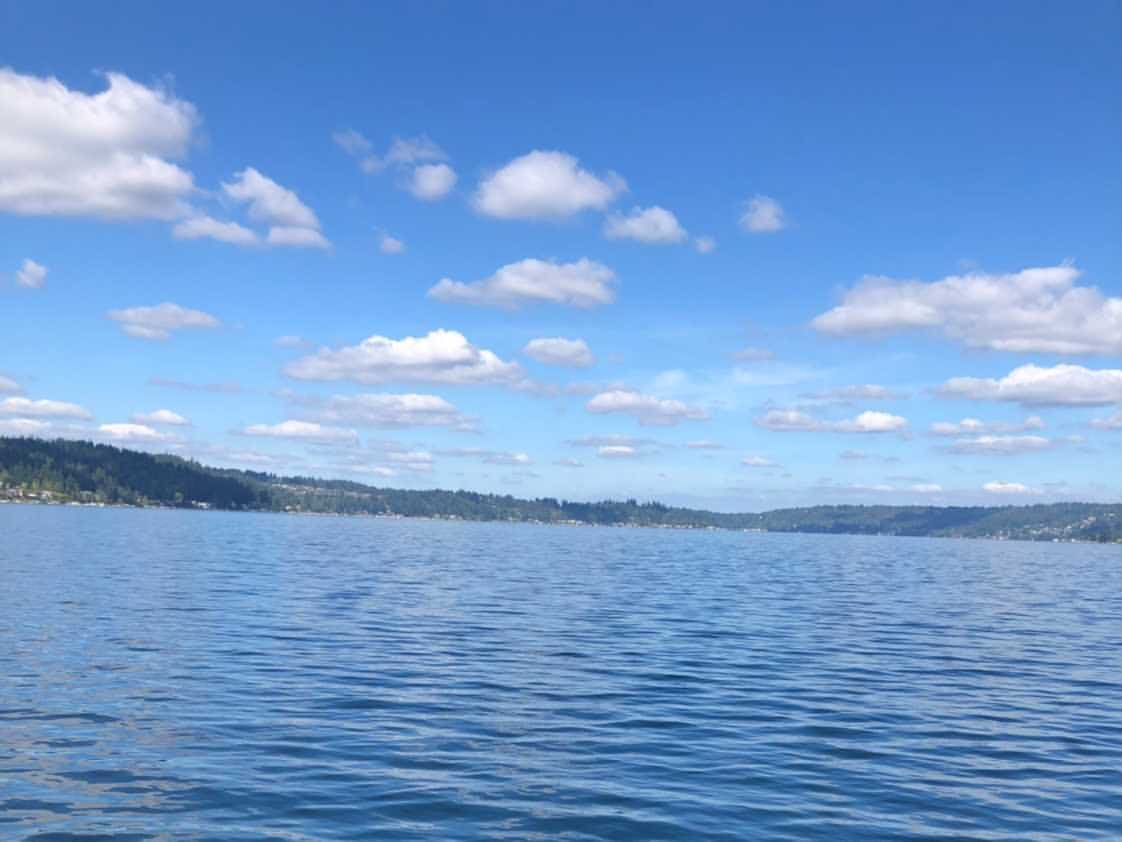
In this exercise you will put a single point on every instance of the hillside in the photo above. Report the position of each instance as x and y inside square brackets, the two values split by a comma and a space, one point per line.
[63, 471]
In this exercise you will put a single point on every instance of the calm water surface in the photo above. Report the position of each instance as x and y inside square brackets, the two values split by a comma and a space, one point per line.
[193, 675]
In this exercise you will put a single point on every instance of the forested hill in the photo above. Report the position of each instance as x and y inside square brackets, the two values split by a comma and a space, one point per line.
[64, 471]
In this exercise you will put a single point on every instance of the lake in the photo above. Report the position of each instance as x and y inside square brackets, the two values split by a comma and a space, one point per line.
[207, 675]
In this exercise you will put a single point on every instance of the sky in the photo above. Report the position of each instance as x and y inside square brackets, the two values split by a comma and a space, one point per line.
[736, 256]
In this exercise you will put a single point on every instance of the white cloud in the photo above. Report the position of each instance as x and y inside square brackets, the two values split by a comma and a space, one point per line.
[763, 215]
[926, 488]
[352, 142]
[704, 444]
[206, 227]
[704, 245]
[441, 356]
[646, 225]
[791, 420]
[292, 223]
[1111, 422]
[132, 432]
[414, 150]
[583, 283]
[432, 182]
[23, 427]
[556, 350]
[617, 451]
[31, 274]
[161, 416]
[418, 461]
[1032, 385]
[569, 463]
[758, 462]
[42, 408]
[862, 392]
[1000, 487]
[7, 384]
[545, 185]
[748, 355]
[429, 182]
[975, 426]
[303, 431]
[106, 155]
[159, 322]
[1001, 444]
[612, 441]
[489, 457]
[390, 245]
[394, 411]
[1035, 310]
[287, 235]
[646, 409]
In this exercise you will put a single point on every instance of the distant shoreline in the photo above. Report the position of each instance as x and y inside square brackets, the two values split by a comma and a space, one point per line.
[563, 524]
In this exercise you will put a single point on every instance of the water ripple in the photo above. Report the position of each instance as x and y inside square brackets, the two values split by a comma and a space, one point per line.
[183, 675]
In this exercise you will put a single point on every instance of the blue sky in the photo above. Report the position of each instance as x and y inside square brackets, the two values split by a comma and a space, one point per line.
[791, 248]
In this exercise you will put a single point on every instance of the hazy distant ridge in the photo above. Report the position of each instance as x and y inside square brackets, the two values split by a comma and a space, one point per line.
[76, 471]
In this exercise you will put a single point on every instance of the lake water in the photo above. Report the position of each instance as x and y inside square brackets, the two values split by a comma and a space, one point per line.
[203, 675]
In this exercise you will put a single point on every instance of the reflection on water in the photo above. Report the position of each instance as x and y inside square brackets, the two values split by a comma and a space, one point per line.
[220, 676]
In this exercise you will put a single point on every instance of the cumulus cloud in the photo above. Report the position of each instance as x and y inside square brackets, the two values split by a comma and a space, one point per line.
[161, 416]
[583, 283]
[402, 152]
[1032, 385]
[43, 408]
[1001, 487]
[1034, 310]
[352, 142]
[23, 427]
[7, 384]
[704, 245]
[1001, 444]
[287, 235]
[545, 185]
[758, 462]
[489, 457]
[1110, 422]
[390, 245]
[207, 227]
[862, 392]
[303, 431]
[763, 215]
[556, 350]
[31, 274]
[393, 411]
[106, 155]
[159, 322]
[704, 444]
[612, 441]
[975, 426]
[414, 150]
[431, 182]
[617, 451]
[290, 221]
[441, 356]
[926, 488]
[132, 433]
[645, 225]
[648, 410]
[870, 421]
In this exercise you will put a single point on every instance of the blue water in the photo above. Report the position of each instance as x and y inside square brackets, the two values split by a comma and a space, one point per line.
[199, 675]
